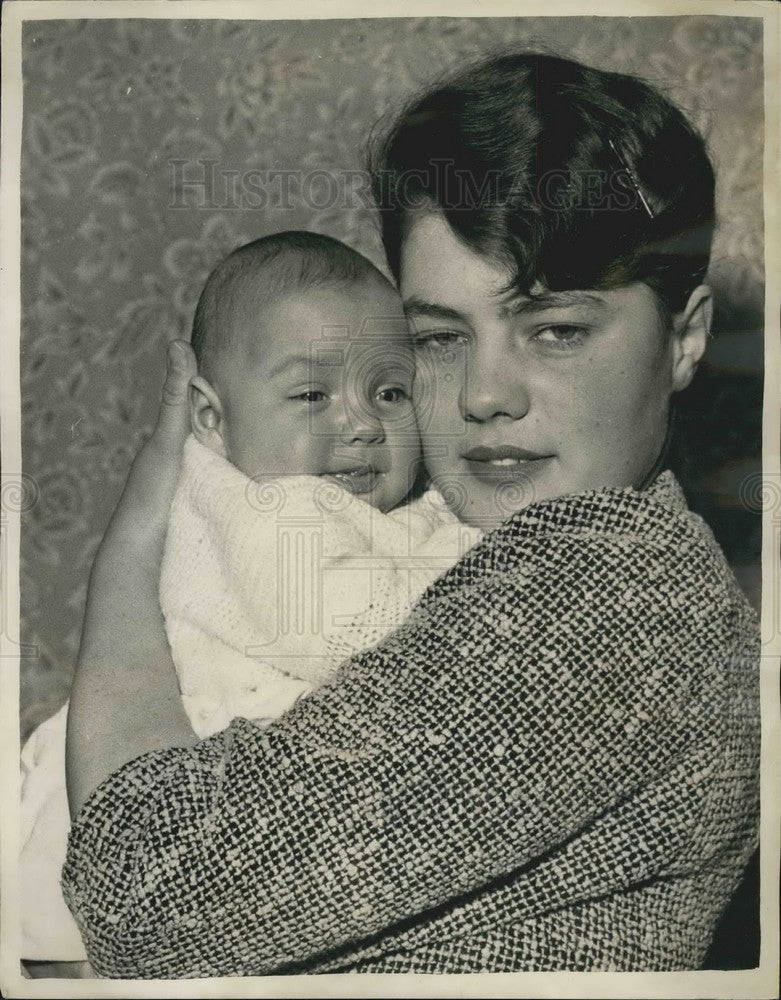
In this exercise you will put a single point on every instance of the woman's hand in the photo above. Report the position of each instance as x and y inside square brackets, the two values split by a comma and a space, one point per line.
[141, 515]
[125, 698]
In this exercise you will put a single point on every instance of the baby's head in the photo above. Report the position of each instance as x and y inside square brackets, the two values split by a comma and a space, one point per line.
[306, 368]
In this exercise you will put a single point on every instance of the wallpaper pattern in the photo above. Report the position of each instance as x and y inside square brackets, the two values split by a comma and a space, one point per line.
[151, 148]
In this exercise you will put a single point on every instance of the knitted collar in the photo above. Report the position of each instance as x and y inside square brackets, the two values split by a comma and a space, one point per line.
[659, 512]
[613, 509]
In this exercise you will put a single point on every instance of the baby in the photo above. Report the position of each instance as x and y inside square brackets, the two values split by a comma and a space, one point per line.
[290, 546]
[304, 439]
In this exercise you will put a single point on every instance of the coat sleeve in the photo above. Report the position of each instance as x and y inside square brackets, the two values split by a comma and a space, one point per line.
[513, 708]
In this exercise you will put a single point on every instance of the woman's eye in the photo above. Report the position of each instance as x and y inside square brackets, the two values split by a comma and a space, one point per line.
[310, 396]
[562, 335]
[439, 338]
[392, 394]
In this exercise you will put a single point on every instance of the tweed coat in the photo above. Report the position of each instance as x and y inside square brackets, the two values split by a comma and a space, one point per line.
[552, 765]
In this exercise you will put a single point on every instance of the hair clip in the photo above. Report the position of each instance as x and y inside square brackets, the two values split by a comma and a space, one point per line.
[633, 178]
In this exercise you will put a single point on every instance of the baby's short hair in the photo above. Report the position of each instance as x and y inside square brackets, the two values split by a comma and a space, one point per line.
[269, 267]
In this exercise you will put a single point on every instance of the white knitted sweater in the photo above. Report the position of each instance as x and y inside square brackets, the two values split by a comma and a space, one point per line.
[267, 587]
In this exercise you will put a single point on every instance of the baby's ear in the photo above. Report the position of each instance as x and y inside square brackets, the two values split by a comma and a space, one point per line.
[207, 418]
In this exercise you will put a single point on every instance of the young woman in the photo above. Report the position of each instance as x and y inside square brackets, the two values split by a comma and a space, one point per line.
[553, 764]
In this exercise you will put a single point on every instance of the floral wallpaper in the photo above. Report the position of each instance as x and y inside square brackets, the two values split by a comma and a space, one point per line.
[151, 148]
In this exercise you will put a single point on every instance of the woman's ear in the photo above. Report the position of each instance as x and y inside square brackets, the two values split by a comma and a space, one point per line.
[207, 417]
[691, 330]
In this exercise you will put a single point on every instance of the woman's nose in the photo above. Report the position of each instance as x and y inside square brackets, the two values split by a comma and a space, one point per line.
[494, 385]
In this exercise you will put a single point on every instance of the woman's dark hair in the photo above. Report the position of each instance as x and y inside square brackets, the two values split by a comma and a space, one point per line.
[571, 176]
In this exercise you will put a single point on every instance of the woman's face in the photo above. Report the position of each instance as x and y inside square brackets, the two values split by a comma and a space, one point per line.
[521, 399]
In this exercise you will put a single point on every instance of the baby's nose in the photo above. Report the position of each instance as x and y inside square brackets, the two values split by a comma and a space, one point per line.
[361, 425]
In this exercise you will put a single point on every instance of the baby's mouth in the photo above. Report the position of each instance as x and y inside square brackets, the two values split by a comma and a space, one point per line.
[358, 479]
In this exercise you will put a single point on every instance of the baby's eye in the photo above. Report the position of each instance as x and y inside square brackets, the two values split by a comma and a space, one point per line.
[310, 396]
[562, 335]
[392, 394]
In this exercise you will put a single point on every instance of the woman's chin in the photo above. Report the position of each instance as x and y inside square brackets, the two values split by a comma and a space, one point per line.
[486, 506]
[484, 498]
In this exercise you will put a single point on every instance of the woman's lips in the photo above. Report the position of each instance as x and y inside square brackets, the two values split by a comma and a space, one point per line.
[502, 461]
[503, 454]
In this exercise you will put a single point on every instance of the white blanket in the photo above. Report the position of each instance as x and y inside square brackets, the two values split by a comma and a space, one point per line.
[266, 588]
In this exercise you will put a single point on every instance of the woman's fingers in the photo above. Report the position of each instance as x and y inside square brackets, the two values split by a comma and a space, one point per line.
[142, 512]
[173, 422]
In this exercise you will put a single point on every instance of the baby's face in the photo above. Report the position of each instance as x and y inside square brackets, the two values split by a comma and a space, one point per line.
[325, 390]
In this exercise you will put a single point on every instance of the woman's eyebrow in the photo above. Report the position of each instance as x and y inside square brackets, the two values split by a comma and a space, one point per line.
[420, 307]
[414, 306]
[553, 300]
